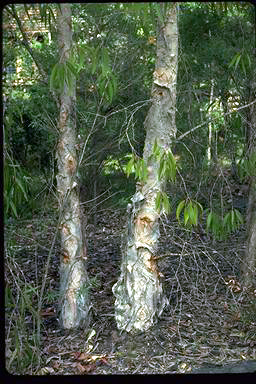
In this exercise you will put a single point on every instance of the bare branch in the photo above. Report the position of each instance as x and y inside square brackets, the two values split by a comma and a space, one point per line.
[210, 120]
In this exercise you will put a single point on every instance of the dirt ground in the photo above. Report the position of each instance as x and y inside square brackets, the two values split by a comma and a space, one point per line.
[209, 324]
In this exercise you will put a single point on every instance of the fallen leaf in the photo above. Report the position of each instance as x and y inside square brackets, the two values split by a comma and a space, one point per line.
[76, 354]
[90, 367]
[56, 364]
[80, 367]
[83, 356]
[48, 312]
[46, 371]
[104, 360]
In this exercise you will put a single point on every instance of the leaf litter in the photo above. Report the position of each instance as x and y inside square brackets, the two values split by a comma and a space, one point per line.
[205, 324]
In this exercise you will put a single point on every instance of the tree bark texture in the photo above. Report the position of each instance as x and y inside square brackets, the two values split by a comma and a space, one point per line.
[73, 277]
[249, 264]
[138, 291]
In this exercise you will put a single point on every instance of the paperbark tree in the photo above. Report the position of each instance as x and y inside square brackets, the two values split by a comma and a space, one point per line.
[249, 264]
[73, 277]
[138, 291]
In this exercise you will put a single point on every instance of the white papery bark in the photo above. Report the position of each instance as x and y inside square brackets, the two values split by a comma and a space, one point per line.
[138, 291]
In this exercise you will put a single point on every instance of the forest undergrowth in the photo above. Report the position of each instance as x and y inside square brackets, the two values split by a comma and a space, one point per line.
[209, 320]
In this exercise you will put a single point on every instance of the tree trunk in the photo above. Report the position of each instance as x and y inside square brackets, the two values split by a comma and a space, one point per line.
[209, 148]
[138, 291]
[249, 264]
[73, 277]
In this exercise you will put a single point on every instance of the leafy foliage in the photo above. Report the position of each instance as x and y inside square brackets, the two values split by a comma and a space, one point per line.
[162, 203]
[232, 221]
[241, 59]
[138, 166]
[63, 74]
[165, 159]
[249, 165]
[222, 227]
[215, 225]
[167, 167]
[167, 162]
[192, 210]
[16, 186]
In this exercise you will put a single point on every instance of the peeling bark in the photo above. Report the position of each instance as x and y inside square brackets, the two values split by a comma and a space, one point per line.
[138, 291]
[249, 264]
[73, 305]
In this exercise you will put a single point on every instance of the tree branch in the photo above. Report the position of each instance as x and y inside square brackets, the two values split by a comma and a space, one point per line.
[212, 120]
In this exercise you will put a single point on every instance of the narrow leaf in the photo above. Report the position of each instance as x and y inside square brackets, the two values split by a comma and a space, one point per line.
[166, 203]
[186, 215]
[22, 188]
[179, 209]
[13, 208]
[239, 217]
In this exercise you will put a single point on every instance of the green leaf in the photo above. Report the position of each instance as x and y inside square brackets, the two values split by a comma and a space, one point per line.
[232, 218]
[81, 58]
[101, 85]
[190, 207]
[142, 170]
[13, 208]
[171, 166]
[226, 219]
[94, 65]
[209, 220]
[71, 68]
[57, 77]
[200, 206]
[239, 218]
[130, 166]
[215, 225]
[95, 59]
[166, 203]
[69, 78]
[243, 66]
[18, 181]
[248, 60]
[167, 166]
[6, 202]
[237, 60]
[227, 222]
[161, 170]
[155, 147]
[186, 215]
[179, 209]
[156, 150]
[232, 61]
